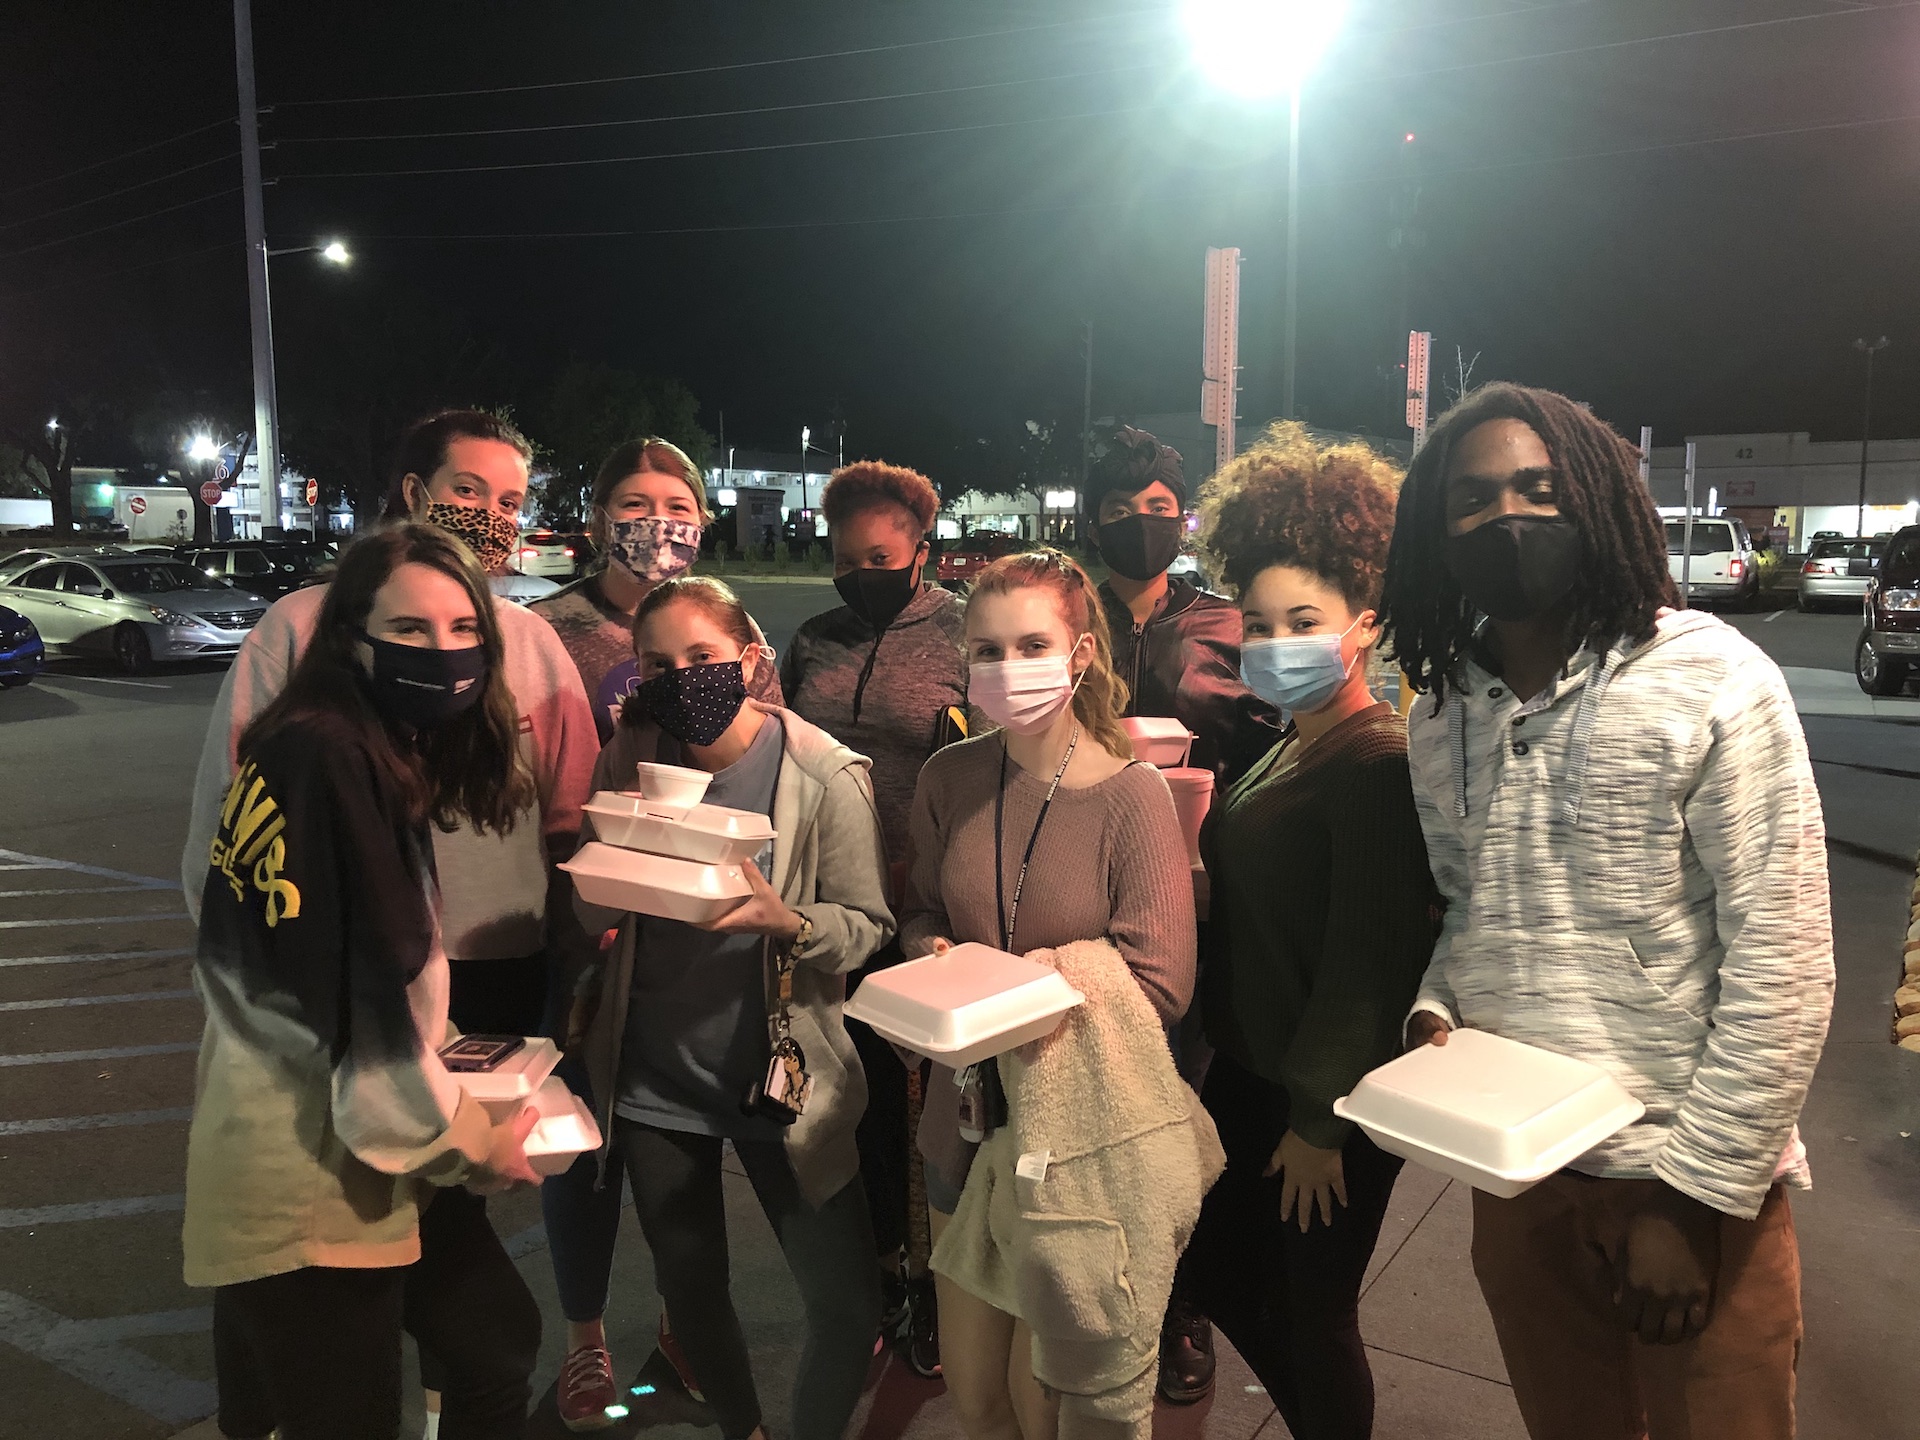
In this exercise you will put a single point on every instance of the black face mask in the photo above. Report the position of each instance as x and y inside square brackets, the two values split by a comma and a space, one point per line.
[1140, 546]
[1518, 566]
[419, 687]
[878, 596]
[696, 703]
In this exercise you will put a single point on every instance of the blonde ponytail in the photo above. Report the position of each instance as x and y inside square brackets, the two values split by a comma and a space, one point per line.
[1101, 698]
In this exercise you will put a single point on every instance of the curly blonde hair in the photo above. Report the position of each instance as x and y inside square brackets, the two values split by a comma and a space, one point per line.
[1291, 500]
[1101, 698]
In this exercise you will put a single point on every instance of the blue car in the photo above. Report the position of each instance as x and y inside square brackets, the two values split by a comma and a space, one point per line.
[22, 655]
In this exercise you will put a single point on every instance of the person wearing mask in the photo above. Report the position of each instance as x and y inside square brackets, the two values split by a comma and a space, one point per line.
[680, 1022]
[646, 514]
[505, 916]
[1177, 647]
[464, 471]
[648, 510]
[1623, 820]
[1322, 921]
[327, 1135]
[1037, 834]
[884, 672]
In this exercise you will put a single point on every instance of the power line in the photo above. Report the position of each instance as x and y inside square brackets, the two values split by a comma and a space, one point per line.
[98, 278]
[114, 159]
[709, 153]
[717, 69]
[123, 190]
[120, 224]
[710, 114]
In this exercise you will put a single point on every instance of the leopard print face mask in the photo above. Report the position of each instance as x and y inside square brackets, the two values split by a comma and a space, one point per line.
[488, 533]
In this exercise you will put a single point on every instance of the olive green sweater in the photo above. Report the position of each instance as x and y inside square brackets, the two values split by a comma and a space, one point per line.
[1323, 916]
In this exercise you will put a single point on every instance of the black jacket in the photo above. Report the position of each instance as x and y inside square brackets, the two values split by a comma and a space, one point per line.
[1185, 662]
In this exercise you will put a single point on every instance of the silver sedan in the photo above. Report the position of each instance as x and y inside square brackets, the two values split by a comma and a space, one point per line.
[135, 609]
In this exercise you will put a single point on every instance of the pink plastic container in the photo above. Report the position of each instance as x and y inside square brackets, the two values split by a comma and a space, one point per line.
[1192, 797]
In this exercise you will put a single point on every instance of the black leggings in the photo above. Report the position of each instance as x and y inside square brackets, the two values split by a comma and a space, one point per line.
[316, 1351]
[677, 1192]
[1289, 1302]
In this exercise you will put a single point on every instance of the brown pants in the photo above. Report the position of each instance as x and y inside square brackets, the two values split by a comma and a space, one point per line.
[1580, 1374]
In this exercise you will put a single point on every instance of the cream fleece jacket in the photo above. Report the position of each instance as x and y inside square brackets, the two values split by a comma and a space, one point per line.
[1075, 1212]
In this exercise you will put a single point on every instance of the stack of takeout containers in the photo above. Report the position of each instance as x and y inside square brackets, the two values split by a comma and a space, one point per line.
[663, 853]
[1165, 743]
[1500, 1115]
[566, 1128]
[966, 1005]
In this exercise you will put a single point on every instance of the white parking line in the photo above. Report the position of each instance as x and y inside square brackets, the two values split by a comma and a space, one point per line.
[103, 680]
[11, 962]
[67, 1000]
[55, 1123]
[1773, 617]
[160, 915]
[91, 1210]
[112, 1052]
[92, 1353]
[47, 862]
[89, 890]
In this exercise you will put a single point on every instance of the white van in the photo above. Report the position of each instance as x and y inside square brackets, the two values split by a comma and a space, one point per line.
[1721, 565]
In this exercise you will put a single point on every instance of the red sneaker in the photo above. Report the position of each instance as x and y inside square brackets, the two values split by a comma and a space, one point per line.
[587, 1390]
[677, 1358]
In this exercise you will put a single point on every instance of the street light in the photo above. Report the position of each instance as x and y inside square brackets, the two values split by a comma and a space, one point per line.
[336, 252]
[1866, 427]
[202, 449]
[806, 435]
[1257, 49]
[266, 386]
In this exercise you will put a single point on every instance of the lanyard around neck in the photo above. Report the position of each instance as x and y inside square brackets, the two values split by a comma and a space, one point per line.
[1010, 917]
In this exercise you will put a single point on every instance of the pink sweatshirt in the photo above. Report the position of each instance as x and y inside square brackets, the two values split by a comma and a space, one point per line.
[494, 888]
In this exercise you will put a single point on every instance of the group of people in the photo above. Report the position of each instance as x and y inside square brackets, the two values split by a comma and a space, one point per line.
[1594, 830]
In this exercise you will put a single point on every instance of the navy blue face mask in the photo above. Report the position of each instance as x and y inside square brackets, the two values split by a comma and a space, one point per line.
[695, 703]
[420, 687]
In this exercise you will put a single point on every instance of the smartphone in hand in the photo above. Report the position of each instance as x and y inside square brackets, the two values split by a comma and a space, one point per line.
[478, 1054]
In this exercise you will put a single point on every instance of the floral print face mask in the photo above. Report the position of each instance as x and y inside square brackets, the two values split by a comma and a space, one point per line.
[653, 548]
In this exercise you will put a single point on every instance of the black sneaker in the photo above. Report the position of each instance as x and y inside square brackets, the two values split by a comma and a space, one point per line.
[920, 1329]
[1186, 1355]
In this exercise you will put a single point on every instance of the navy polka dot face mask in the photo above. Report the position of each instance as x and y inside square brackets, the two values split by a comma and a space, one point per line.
[695, 703]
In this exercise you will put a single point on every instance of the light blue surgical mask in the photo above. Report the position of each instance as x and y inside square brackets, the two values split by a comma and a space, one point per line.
[1298, 673]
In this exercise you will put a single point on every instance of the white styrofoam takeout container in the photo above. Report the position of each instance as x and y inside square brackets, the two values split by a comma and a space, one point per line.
[1160, 740]
[502, 1090]
[710, 834]
[964, 1006]
[656, 884]
[565, 1131]
[673, 789]
[1497, 1114]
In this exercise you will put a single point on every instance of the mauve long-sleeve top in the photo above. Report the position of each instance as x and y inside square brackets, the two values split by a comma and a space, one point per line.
[1110, 863]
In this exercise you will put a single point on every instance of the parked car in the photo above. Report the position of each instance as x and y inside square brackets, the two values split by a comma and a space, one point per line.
[137, 609]
[522, 589]
[1888, 650]
[19, 560]
[269, 567]
[1836, 571]
[1722, 565]
[22, 653]
[971, 553]
[544, 553]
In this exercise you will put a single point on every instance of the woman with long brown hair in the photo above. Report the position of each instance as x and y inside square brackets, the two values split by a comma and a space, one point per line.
[1037, 834]
[328, 1141]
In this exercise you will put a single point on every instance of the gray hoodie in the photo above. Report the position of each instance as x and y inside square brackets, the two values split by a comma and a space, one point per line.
[829, 863]
[1635, 871]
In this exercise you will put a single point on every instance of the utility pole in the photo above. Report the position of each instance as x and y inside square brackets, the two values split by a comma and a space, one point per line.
[266, 405]
[1291, 323]
[1866, 427]
[1086, 419]
[1646, 456]
[1686, 536]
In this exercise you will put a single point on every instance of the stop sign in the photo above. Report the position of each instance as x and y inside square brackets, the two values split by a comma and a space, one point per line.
[137, 504]
[210, 493]
[313, 493]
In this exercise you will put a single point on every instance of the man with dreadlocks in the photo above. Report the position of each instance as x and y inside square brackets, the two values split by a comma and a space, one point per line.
[1620, 812]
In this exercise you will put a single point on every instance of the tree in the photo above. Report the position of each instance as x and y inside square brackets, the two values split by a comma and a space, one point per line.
[588, 410]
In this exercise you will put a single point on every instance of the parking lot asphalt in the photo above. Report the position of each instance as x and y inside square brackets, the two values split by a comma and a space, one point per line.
[98, 1337]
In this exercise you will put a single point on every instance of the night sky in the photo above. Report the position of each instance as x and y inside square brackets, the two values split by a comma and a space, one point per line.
[1580, 227]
